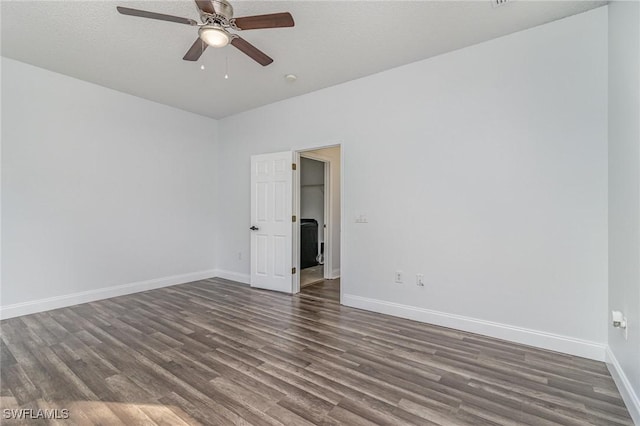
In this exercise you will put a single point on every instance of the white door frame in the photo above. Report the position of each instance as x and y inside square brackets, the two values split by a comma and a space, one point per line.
[328, 220]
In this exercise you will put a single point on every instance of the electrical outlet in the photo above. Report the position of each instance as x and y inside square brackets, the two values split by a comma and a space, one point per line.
[420, 280]
[619, 321]
[399, 277]
[239, 255]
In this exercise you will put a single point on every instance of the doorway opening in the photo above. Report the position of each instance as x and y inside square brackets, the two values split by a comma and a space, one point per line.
[317, 204]
[312, 225]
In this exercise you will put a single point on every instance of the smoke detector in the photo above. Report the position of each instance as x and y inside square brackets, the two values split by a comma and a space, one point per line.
[498, 3]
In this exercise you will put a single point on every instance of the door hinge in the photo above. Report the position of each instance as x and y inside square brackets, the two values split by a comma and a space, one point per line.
[293, 166]
[293, 218]
[293, 270]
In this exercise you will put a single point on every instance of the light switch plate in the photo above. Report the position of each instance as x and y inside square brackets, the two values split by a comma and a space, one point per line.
[362, 219]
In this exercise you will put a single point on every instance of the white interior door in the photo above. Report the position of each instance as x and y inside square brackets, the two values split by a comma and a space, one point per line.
[271, 221]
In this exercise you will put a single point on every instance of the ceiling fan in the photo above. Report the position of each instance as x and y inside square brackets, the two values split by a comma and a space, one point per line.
[217, 18]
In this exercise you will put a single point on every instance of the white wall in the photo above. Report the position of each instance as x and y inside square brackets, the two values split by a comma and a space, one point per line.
[485, 169]
[624, 193]
[99, 189]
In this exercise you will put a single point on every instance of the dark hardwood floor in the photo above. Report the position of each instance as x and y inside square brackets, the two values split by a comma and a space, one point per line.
[216, 352]
[328, 290]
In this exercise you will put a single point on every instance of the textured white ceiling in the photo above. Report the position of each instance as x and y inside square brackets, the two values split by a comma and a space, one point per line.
[332, 42]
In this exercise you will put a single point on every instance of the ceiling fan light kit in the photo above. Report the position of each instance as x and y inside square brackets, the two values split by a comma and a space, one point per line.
[217, 18]
[214, 35]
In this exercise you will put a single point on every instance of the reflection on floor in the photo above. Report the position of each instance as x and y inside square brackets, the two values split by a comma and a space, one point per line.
[325, 289]
[311, 275]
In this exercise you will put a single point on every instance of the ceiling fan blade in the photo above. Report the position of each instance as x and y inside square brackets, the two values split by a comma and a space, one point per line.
[195, 51]
[206, 6]
[251, 51]
[273, 20]
[153, 15]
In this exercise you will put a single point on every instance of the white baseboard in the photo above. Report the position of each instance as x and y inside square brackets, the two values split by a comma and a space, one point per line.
[47, 304]
[624, 386]
[233, 276]
[539, 339]
[335, 274]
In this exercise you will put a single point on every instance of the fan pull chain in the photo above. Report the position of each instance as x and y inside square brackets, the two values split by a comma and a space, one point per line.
[226, 73]
[202, 47]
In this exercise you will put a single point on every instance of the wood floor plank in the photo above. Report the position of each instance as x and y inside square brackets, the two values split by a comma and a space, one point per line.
[215, 352]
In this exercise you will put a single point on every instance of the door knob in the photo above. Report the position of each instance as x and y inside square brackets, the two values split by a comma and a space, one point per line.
[253, 228]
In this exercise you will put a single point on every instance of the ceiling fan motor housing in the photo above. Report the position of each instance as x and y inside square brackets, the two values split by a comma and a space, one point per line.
[223, 9]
